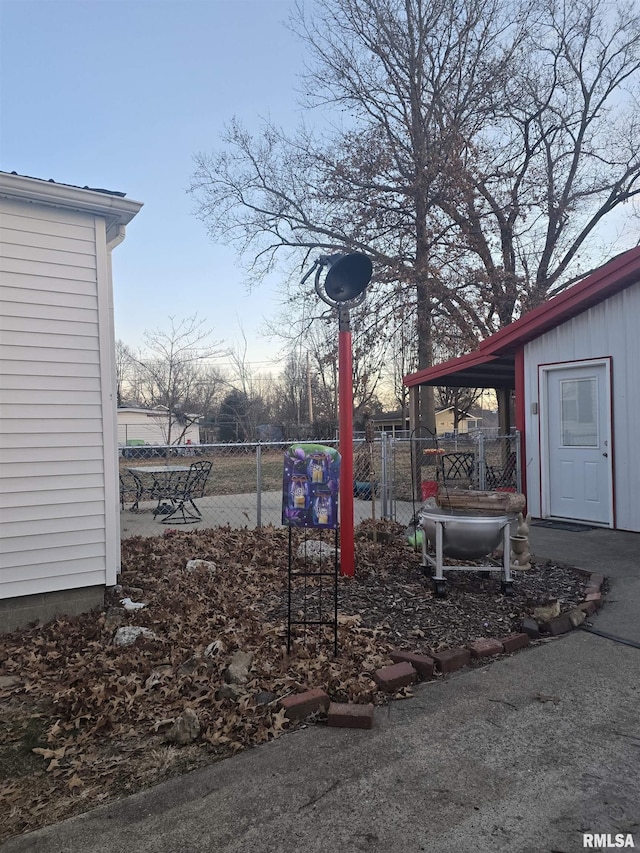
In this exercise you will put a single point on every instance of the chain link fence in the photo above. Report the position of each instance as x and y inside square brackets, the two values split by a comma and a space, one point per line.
[240, 485]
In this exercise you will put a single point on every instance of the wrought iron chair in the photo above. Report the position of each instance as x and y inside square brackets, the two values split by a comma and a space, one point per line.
[182, 489]
[502, 478]
[130, 486]
[457, 468]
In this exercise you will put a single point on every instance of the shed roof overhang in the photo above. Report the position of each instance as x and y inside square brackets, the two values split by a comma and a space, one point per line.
[474, 370]
[492, 365]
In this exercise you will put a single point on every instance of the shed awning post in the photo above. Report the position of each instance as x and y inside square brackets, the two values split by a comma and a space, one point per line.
[503, 396]
[414, 427]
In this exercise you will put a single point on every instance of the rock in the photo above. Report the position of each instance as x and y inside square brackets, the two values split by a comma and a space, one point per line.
[237, 672]
[316, 552]
[531, 628]
[127, 635]
[118, 589]
[7, 681]
[115, 617]
[185, 729]
[546, 611]
[215, 648]
[576, 617]
[265, 697]
[198, 565]
[229, 691]
[135, 592]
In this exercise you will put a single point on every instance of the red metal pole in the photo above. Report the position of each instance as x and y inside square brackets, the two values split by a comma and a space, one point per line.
[345, 424]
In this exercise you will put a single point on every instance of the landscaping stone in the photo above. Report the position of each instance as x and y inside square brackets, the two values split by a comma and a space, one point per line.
[127, 635]
[229, 691]
[347, 715]
[559, 625]
[265, 697]
[135, 592]
[452, 659]
[215, 648]
[115, 617]
[485, 647]
[596, 597]
[422, 664]
[596, 580]
[395, 676]
[587, 607]
[514, 642]
[576, 616]
[316, 552]
[185, 729]
[238, 670]
[531, 628]
[197, 565]
[545, 612]
[301, 705]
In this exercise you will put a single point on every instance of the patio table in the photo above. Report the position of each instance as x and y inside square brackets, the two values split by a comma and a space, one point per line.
[165, 484]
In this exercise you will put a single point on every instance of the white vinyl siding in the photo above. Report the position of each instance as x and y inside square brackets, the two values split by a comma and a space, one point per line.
[152, 428]
[52, 448]
[609, 329]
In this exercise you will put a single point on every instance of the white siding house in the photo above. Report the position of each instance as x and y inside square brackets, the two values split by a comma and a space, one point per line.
[151, 426]
[574, 365]
[59, 527]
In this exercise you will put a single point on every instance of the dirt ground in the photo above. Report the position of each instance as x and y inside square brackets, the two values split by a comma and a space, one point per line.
[84, 721]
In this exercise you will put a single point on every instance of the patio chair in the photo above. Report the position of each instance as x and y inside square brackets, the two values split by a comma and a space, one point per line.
[457, 468]
[130, 486]
[181, 490]
[502, 478]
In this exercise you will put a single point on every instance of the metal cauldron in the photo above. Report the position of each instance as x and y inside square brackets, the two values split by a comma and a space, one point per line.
[464, 536]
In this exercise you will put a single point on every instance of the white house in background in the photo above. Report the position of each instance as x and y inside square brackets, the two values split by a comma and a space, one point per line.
[574, 364]
[59, 521]
[151, 426]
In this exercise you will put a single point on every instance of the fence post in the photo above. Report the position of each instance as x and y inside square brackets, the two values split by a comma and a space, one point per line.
[391, 463]
[259, 485]
[482, 463]
[383, 475]
[518, 462]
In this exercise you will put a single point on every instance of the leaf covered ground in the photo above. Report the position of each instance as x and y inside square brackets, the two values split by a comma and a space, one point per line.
[83, 721]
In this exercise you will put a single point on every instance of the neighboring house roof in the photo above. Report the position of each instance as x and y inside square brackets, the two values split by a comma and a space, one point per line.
[157, 411]
[493, 363]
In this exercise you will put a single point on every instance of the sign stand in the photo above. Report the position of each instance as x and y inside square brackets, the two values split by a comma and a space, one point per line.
[310, 490]
[312, 594]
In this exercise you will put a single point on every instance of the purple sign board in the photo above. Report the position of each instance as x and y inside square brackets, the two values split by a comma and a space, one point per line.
[310, 486]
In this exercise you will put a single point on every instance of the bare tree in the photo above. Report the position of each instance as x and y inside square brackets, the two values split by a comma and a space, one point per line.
[173, 371]
[124, 372]
[482, 143]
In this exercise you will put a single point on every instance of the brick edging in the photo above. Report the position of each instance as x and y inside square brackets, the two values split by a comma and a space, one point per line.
[409, 667]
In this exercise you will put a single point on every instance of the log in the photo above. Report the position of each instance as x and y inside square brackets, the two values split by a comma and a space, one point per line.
[494, 502]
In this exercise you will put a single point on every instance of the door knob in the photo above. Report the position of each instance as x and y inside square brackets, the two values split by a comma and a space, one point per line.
[605, 454]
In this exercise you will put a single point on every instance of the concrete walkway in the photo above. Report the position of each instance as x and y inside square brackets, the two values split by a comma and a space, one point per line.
[521, 756]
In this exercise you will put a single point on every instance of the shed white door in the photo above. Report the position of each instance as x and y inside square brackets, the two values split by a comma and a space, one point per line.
[579, 443]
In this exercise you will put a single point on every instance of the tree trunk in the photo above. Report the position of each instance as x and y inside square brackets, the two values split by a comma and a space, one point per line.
[425, 356]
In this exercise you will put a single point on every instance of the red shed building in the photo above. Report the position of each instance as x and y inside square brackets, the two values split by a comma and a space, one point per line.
[574, 365]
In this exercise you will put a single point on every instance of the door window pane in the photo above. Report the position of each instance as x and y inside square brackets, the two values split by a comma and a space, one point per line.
[579, 414]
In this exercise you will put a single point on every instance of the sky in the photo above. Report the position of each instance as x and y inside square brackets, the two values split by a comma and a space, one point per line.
[120, 94]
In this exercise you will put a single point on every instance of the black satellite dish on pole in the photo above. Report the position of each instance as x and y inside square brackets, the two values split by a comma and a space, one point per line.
[344, 288]
[347, 276]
